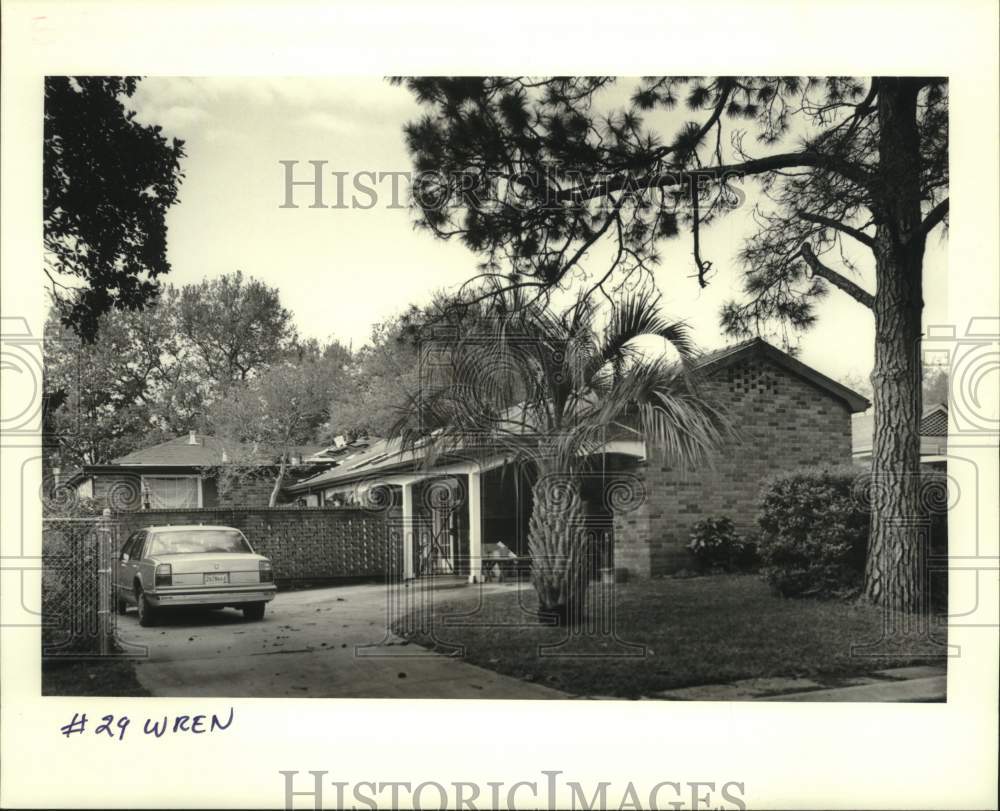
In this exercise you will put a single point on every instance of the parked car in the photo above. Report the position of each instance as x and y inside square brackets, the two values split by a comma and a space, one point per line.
[173, 566]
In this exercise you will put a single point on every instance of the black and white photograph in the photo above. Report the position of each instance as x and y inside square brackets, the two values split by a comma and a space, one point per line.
[533, 396]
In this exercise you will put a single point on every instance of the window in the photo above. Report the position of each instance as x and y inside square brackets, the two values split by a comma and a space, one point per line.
[127, 548]
[186, 542]
[171, 492]
[133, 545]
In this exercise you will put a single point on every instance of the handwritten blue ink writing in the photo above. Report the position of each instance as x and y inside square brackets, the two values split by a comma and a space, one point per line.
[157, 727]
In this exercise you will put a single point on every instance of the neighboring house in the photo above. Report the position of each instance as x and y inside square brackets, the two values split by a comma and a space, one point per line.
[454, 513]
[933, 437]
[182, 473]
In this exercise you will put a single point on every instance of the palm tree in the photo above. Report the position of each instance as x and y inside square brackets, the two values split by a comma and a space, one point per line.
[549, 388]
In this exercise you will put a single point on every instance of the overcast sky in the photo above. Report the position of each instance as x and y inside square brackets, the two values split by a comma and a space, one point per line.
[341, 270]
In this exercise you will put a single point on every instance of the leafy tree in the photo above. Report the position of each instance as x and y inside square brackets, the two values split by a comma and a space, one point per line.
[104, 392]
[144, 379]
[935, 386]
[270, 416]
[236, 326]
[550, 389]
[108, 182]
[533, 174]
[386, 371]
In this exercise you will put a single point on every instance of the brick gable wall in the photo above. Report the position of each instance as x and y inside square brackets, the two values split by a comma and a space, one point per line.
[784, 423]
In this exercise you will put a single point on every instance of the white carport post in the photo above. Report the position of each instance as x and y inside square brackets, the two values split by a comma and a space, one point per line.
[475, 525]
[408, 530]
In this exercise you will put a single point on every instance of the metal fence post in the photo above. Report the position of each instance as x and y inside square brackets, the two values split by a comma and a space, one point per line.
[105, 601]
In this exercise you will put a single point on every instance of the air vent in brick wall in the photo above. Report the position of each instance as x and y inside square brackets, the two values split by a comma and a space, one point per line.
[751, 378]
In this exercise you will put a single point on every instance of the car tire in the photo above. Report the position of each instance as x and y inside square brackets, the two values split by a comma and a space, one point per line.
[254, 612]
[147, 613]
[121, 606]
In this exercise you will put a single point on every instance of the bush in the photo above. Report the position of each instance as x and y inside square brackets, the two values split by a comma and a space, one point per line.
[814, 533]
[715, 545]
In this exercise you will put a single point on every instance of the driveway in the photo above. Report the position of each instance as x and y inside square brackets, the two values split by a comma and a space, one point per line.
[324, 643]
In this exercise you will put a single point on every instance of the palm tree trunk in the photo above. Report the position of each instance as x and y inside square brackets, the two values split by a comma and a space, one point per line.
[557, 542]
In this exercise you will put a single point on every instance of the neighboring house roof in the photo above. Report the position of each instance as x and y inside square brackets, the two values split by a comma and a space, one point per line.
[177, 452]
[933, 432]
[386, 454]
[381, 454]
[195, 450]
[935, 421]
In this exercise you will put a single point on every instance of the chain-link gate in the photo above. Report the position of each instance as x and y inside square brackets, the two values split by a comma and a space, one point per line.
[78, 618]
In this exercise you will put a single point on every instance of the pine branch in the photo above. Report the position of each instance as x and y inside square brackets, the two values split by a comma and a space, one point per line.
[936, 214]
[856, 292]
[819, 219]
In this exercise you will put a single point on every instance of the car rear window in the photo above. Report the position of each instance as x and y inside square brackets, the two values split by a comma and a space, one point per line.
[198, 540]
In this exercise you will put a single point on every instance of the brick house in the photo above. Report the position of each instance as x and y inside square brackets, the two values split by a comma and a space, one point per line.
[183, 473]
[786, 414]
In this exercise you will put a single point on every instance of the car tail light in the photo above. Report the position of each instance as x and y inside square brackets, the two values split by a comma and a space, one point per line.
[164, 575]
[266, 572]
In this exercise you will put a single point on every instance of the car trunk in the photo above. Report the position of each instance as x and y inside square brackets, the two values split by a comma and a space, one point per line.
[202, 569]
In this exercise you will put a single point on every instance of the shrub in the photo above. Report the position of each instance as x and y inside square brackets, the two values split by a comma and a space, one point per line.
[715, 545]
[814, 532]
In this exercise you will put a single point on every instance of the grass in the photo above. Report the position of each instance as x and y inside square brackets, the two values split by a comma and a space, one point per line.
[705, 630]
[106, 676]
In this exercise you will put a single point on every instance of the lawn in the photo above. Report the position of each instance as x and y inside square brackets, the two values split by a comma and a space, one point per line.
[704, 630]
[108, 676]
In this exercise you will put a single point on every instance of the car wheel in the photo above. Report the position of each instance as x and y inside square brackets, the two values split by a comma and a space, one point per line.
[254, 612]
[121, 606]
[147, 613]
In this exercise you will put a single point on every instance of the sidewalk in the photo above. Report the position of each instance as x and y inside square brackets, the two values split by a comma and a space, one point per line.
[922, 683]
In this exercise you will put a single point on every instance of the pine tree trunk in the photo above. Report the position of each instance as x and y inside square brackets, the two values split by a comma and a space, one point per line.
[894, 568]
[556, 540]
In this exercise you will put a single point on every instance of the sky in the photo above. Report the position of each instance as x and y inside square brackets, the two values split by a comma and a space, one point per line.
[341, 270]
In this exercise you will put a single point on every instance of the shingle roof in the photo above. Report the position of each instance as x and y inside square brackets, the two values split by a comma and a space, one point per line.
[380, 454]
[935, 421]
[933, 431]
[179, 452]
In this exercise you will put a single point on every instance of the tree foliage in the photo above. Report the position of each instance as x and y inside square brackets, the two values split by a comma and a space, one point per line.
[236, 326]
[534, 173]
[269, 417]
[108, 183]
[155, 373]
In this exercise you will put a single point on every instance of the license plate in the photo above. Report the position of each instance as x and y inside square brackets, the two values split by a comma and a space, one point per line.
[217, 579]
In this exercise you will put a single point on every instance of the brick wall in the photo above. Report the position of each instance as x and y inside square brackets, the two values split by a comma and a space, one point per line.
[305, 545]
[784, 423]
[252, 491]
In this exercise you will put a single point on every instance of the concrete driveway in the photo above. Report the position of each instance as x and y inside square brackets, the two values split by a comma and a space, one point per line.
[329, 642]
